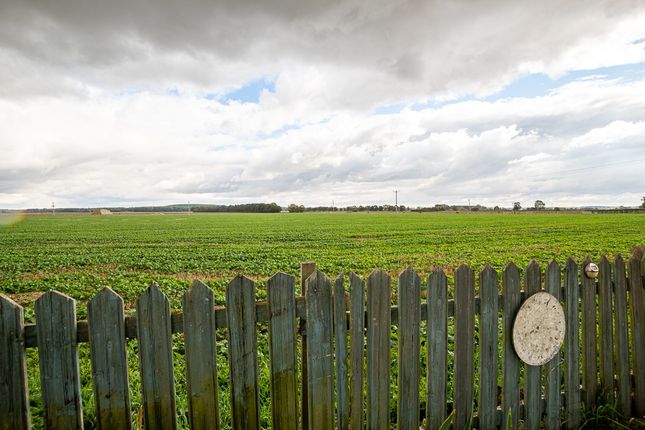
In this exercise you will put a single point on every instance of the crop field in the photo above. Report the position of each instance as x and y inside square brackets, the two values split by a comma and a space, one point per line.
[80, 254]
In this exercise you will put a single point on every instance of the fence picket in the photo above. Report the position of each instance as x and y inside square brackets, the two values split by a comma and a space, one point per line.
[511, 398]
[357, 348]
[437, 349]
[14, 408]
[553, 402]
[340, 333]
[622, 340]
[155, 355]
[201, 357]
[572, 342]
[606, 329]
[532, 394]
[638, 333]
[319, 358]
[464, 345]
[58, 360]
[243, 358]
[106, 325]
[408, 350]
[488, 340]
[306, 269]
[589, 367]
[378, 350]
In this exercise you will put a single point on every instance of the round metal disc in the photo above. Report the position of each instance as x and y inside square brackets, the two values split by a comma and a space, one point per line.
[538, 331]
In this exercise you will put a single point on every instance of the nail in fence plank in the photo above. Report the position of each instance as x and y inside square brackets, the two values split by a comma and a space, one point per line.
[464, 345]
[532, 393]
[282, 347]
[606, 328]
[488, 355]
[437, 349]
[306, 269]
[408, 349]
[357, 348]
[14, 407]
[106, 325]
[511, 398]
[340, 332]
[378, 350]
[590, 370]
[155, 356]
[319, 355]
[638, 333]
[572, 341]
[243, 355]
[622, 342]
[58, 360]
[553, 401]
[201, 356]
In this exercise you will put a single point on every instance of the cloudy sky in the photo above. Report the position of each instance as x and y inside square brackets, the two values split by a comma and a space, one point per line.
[149, 102]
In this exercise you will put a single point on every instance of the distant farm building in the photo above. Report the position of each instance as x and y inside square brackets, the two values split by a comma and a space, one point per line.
[101, 212]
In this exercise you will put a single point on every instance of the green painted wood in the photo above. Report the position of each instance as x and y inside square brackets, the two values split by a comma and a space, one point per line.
[282, 347]
[155, 356]
[409, 301]
[464, 346]
[58, 360]
[106, 323]
[356, 349]
[589, 343]
[319, 354]
[378, 350]
[638, 333]
[201, 357]
[340, 333]
[532, 391]
[437, 349]
[511, 366]
[606, 328]
[572, 346]
[488, 341]
[243, 355]
[553, 375]
[306, 269]
[622, 339]
[14, 407]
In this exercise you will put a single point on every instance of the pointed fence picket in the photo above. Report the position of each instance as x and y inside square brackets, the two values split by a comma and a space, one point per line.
[338, 392]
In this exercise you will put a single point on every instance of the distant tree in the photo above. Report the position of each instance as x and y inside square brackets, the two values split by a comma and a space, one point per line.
[517, 206]
[295, 208]
[497, 208]
[643, 199]
[539, 205]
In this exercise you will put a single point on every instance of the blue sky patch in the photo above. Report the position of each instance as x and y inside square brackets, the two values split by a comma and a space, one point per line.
[250, 92]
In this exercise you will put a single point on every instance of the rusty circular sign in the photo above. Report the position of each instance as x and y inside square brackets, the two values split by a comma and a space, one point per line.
[539, 328]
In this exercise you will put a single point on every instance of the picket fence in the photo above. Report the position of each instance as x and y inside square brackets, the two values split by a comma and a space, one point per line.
[340, 328]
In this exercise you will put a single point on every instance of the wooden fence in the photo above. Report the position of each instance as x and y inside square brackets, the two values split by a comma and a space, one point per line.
[343, 324]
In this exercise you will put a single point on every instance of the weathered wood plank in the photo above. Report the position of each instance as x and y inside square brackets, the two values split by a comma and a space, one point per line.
[155, 356]
[243, 358]
[511, 398]
[488, 340]
[307, 268]
[638, 333]
[357, 348]
[622, 340]
[409, 291]
[14, 407]
[282, 347]
[464, 345]
[319, 357]
[378, 350]
[437, 349]
[606, 328]
[340, 333]
[589, 344]
[572, 342]
[532, 393]
[553, 374]
[58, 360]
[109, 360]
[201, 357]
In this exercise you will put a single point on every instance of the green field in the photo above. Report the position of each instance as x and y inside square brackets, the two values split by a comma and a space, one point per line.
[80, 254]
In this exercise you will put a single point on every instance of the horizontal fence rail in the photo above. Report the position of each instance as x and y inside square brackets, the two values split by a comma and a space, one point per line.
[448, 339]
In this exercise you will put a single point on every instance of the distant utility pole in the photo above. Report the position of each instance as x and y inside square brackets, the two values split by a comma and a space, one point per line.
[396, 200]
[468, 204]
[53, 209]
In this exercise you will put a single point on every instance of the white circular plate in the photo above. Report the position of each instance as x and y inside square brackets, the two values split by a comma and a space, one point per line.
[539, 328]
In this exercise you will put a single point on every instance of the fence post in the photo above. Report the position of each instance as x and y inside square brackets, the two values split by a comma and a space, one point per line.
[357, 348]
[572, 341]
[511, 403]
[437, 349]
[307, 268]
[464, 346]
[488, 341]
[606, 329]
[408, 350]
[553, 403]
[622, 339]
[340, 333]
[532, 394]
[638, 332]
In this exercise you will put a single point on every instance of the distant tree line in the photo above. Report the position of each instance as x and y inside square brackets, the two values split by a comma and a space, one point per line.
[246, 208]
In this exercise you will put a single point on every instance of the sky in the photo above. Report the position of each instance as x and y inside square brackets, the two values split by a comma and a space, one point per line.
[140, 102]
